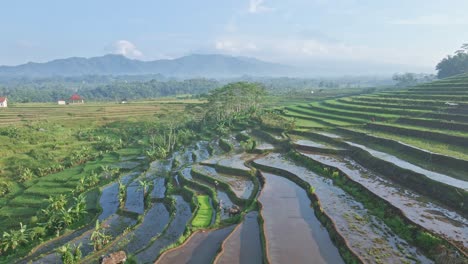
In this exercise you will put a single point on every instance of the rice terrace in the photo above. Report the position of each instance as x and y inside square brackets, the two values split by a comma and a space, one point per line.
[276, 143]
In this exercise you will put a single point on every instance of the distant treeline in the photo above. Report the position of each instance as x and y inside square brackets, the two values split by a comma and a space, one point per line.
[53, 91]
[134, 87]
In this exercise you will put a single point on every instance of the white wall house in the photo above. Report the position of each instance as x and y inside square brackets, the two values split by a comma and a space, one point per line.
[3, 102]
[61, 102]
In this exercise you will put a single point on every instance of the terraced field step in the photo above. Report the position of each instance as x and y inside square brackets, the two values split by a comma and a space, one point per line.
[347, 113]
[243, 245]
[443, 136]
[201, 247]
[366, 109]
[418, 209]
[366, 236]
[420, 96]
[356, 101]
[432, 161]
[330, 118]
[171, 234]
[292, 232]
[434, 123]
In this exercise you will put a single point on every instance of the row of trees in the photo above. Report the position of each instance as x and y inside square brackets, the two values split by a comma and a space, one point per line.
[410, 79]
[114, 91]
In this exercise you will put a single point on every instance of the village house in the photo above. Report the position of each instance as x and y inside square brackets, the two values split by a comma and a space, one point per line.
[61, 102]
[76, 99]
[3, 102]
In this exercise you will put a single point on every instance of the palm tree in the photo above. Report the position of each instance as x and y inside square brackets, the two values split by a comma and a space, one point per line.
[57, 202]
[70, 254]
[79, 207]
[144, 185]
[99, 238]
[10, 241]
[122, 193]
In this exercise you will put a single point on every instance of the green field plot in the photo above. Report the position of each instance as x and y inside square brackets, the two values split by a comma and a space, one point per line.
[204, 213]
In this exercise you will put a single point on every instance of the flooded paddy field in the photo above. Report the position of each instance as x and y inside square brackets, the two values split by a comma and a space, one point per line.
[202, 247]
[154, 222]
[421, 210]
[406, 165]
[243, 245]
[292, 232]
[367, 236]
[240, 185]
[171, 234]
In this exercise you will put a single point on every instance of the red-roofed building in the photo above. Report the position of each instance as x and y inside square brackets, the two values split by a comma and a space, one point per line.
[76, 99]
[3, 102]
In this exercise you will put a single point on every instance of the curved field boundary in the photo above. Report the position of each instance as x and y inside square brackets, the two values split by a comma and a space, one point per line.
[344, 248]
[183, 244]
[309, 118]
[440, 124]
[355, 114]
[450, 196]
[426, 97]
[361, 108]
[436, 136]
[371, 103]
[403, 101]
[305, 110]
[393, 209]
[459, 165]
[223, 245]
[447, 117]
[225, 187]
[318, 149]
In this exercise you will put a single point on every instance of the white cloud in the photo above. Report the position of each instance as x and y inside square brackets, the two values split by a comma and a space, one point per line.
[303, 51]
[127, 48]
[432, 20]
[257, 6]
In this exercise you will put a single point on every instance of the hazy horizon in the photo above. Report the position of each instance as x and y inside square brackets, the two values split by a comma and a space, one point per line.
[344, 36]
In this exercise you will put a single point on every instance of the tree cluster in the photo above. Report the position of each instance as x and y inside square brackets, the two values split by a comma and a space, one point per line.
[454, 64]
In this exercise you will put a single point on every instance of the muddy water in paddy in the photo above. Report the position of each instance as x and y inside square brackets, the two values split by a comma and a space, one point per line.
[368, 236]
[240, 185]
[170, 235]
[109, 201]
[330, 135]
[158, 188]
[293, 234]
[128, 178]
[201, 248]
[201, 151]
[160, 167]
[406, 165]
[418, 209]
[153, 224]
[186, 173]
[224, 202]
[243, 245]
[236, 161]
[309, 143]
[134, 202]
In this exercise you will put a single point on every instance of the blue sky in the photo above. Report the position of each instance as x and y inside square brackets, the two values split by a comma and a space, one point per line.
[413, 34]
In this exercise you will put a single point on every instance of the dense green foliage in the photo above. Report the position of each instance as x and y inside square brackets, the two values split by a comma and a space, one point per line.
[454, 64]
[113, 91]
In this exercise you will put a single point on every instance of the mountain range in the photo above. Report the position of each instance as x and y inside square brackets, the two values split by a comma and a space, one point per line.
[211, 65]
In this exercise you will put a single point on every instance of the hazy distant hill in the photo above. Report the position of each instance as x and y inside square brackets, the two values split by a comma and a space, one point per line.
[192, 65]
